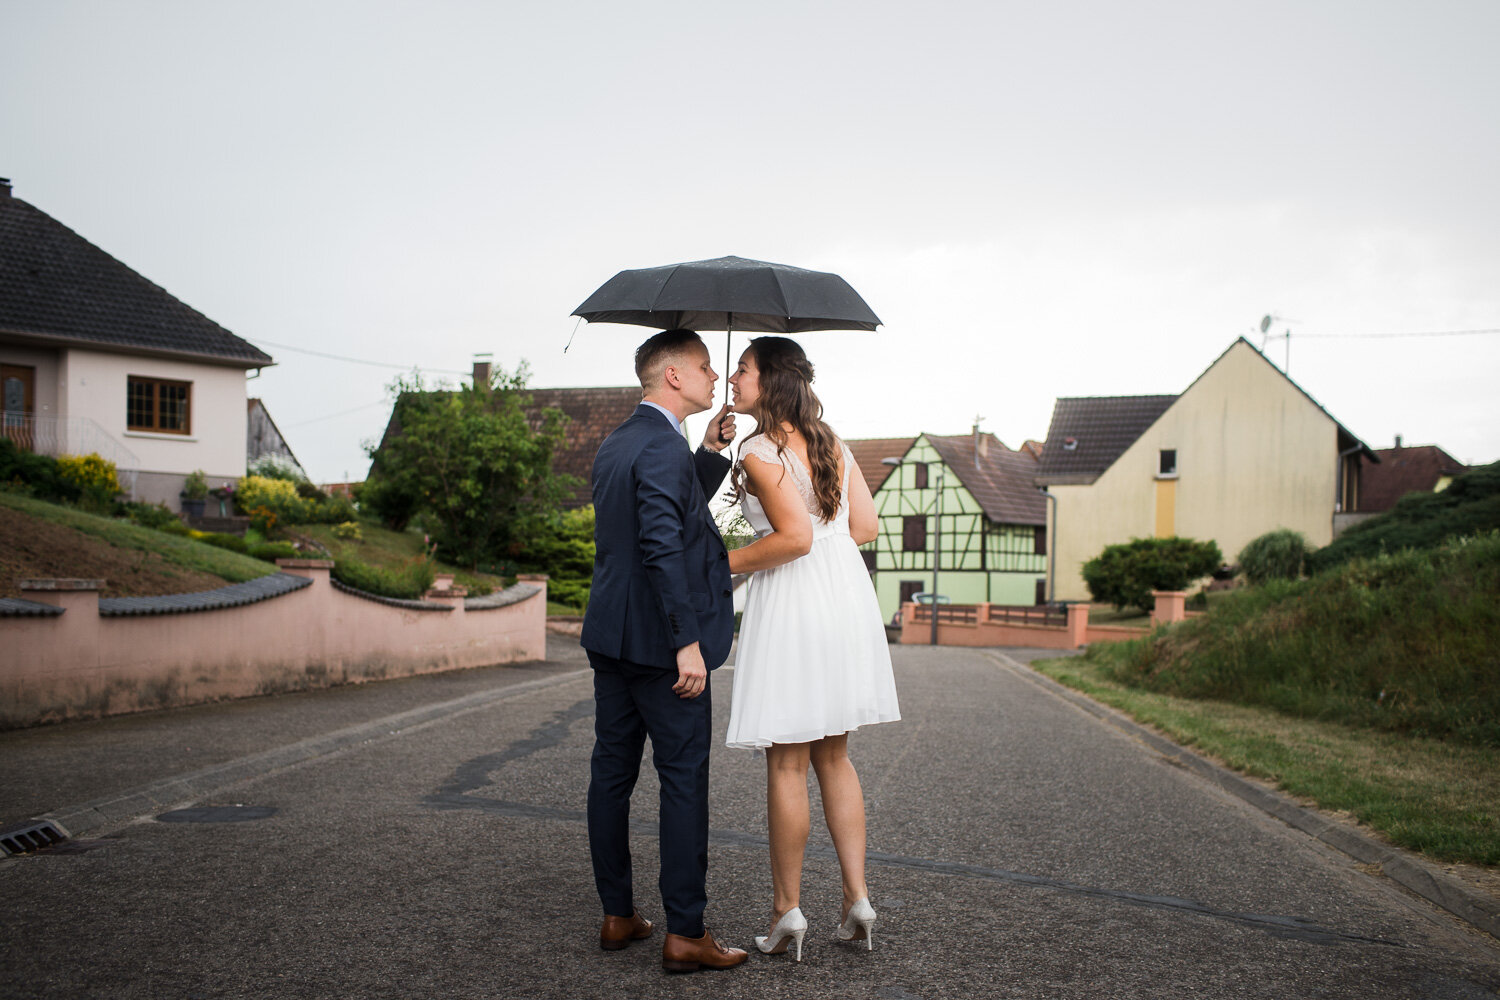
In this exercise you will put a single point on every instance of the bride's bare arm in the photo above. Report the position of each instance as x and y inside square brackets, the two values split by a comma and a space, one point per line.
[864, 525]
[791, 529]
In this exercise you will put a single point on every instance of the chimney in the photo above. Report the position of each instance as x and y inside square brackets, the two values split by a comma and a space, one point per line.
[4, 187]
[482, 371]
[981, 445]
[1398, 442]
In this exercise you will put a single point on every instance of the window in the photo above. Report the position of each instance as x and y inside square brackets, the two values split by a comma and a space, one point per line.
[919, 475]
[1168, 465]
[1039, 546]
[869, 557]
[914, 533]
[159, 405]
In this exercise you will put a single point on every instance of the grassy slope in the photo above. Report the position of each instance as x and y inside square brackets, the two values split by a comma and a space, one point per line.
[386, 549]
[184, 551]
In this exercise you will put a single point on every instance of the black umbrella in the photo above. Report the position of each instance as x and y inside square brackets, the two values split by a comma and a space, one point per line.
[729, 293]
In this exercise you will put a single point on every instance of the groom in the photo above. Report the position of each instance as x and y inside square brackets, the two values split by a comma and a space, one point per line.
[660, 617]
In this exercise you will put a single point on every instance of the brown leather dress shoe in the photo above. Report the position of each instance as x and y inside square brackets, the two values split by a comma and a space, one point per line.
[685, 954]
[618, 932]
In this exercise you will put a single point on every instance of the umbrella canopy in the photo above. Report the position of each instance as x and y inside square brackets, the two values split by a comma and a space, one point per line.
[729, 293]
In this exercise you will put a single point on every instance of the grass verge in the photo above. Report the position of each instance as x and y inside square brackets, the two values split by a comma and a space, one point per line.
[184, 551]
[392, 551]
[1436, 797]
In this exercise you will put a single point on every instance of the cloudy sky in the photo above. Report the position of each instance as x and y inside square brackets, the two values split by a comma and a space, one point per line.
[1039, 199]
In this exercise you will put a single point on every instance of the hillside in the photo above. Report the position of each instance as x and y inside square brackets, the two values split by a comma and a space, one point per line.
[40, 539]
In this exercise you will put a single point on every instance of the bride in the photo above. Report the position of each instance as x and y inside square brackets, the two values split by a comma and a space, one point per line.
[813, 664]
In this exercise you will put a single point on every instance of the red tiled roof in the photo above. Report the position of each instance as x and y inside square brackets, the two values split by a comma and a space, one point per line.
[593, 413]
[56, 286]
[1002, 481]
[1411, 469]
[868, 453]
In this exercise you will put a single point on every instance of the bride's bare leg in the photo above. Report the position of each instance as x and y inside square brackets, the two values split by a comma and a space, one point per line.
[787, 816]
[844, 810]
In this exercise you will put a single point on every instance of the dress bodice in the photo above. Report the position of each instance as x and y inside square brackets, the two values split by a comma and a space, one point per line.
[764, 449]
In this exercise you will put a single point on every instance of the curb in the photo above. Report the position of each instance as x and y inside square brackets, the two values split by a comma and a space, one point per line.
[114, 811]
[1403, 868]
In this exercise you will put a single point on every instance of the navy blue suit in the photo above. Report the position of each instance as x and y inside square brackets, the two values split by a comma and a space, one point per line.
[661, 581]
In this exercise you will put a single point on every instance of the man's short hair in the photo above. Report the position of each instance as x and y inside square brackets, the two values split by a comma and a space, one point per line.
[666, 348]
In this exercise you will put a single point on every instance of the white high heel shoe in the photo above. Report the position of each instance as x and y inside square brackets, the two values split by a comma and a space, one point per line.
[860, 924]
[789, 928]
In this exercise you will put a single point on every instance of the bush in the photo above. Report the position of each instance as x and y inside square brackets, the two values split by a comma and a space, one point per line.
[334, 510]
[234, 543]
[1469, 506]
[275, 467]
[348, 531]
[1276, 555]
[277, 496]
[151, 515]
[412, 580]
[272, 551]
[34, 474]
[195, 485]
[1125, 575]
[563, 548]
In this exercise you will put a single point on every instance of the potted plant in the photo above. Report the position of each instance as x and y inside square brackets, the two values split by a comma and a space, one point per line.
[194, 493]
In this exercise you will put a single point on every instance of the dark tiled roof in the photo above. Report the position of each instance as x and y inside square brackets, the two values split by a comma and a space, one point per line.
[250, 592]
[1101, 427]
[56, 285]
[593, 414]
[1001, 480]
[17, 607]
[395, 602]
[868, 452]
[1414, 469]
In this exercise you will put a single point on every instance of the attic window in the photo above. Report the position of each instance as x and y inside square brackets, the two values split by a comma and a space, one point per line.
[1168, 463]
[1070, 444]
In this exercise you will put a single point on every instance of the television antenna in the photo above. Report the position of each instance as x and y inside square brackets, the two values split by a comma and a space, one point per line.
[1267, 322]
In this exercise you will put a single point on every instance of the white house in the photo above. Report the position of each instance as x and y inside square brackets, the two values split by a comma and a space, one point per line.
[95, 358]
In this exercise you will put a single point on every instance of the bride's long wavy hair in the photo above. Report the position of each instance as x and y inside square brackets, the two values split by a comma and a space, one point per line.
[786, 397]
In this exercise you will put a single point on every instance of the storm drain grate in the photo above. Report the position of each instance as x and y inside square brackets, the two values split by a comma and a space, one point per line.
[31, 836]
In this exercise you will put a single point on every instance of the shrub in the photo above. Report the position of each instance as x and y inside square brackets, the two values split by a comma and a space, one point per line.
[234, 543]
[151, 515]
[94, 476]
[195, 485]
[410, 581]
[1276, 555]
[1125, 575]
[334, 510]
[276, 467]
[34, 474]
[272, 551]
[278, 496]
[563, 548]
[349, 531]
[1469, 506]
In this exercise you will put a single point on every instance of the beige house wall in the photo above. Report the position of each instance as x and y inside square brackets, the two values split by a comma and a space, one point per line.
[1254, 454]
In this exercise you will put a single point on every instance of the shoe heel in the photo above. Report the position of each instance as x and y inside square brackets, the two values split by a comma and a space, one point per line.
[797, 944]
[680, 966]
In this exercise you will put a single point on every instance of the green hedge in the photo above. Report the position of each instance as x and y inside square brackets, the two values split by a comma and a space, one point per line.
[410, 581]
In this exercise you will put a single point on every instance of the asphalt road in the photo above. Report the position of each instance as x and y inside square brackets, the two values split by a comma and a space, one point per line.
[427, 840]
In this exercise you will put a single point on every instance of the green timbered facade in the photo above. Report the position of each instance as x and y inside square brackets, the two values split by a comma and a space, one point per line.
[989, 539]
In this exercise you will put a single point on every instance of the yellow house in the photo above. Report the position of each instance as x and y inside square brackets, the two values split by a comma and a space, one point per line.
[1242, 451]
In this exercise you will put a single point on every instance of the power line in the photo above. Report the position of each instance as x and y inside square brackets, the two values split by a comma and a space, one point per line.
[355, 361]
[1383, 336]
[341, 413]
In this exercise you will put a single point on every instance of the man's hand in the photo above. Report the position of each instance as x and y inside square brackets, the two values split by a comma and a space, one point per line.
[720, 430]
[692, 675]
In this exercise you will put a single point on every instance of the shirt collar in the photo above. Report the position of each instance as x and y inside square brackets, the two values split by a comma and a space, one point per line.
[669, 414]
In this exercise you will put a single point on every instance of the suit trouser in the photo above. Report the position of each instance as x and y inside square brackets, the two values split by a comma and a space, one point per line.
[633, 701]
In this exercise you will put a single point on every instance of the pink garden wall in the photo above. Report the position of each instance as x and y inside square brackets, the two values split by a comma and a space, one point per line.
[81, 664]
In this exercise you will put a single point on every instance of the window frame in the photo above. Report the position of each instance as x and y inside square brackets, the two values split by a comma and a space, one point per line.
[1161, 460]
[912, 525]
[157, 385]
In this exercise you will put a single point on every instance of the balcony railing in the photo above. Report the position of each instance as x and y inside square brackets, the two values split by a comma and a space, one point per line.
[55, 436]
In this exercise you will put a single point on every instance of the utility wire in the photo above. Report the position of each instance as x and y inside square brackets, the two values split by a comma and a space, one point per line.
[356, 361]
[342, 413]
[1381, 336]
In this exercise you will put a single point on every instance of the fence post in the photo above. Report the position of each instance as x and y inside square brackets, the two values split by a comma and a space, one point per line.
[1078, 625]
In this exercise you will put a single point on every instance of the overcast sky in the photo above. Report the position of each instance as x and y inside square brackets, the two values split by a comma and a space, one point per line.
[1038, 199]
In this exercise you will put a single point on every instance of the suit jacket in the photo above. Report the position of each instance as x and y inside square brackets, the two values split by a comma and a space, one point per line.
[661, 573]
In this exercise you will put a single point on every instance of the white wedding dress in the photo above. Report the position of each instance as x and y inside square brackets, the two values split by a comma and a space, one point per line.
[813, 659]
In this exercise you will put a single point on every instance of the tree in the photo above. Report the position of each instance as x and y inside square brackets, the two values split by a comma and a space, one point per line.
[468, 465]
[1125, 575]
